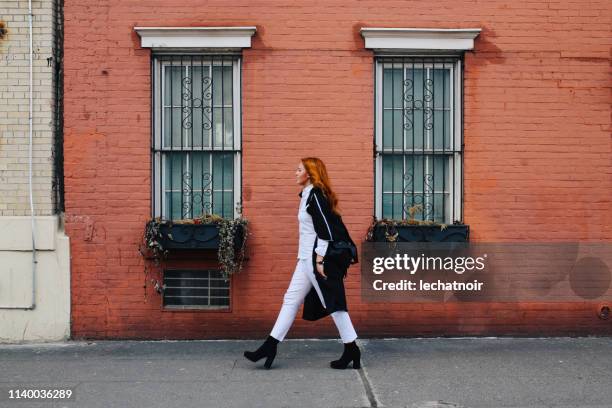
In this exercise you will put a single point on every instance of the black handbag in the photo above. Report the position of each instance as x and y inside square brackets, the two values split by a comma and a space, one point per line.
[343, 253]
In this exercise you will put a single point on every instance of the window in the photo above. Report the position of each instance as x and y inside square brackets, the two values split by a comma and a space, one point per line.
[197, 136]
[419, 121]
[418, 138]
[196, 141]
[192, 289]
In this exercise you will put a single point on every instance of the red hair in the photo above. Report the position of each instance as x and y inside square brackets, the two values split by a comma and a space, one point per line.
[318, 177]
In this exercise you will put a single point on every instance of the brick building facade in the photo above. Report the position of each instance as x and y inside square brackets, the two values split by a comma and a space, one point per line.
[530, 115]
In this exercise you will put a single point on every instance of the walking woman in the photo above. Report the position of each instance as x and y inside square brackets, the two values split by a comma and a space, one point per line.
[318, 279]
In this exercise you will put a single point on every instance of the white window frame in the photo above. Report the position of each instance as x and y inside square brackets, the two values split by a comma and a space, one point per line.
[160, 169]
[455, 115]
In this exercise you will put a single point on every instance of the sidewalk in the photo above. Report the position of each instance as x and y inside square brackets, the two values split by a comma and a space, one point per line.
[462, 372]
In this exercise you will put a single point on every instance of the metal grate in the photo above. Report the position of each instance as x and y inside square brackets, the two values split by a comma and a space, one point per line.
[205, 289]
[418, 138]
[196, 138]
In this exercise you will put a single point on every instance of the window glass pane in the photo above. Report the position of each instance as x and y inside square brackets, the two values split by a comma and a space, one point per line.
[441, 81]
[392, 173]
[218, 121]
[386, 205]
[223, 183]
[200, 83]
[173, 84]
[413, 88]
[222, 84]
[219, 301]
[219, 292]
[173, 170]
[413, 109]
[440, 132]
[398, 87]
[392, 87]
[217, 85]
[392, 205]
[433, 183]
[392, 185]
[223, 124]
[173, 206]
[227, 83]
[174, 116]
[174, 183]
[442, 187]
[441, 129]
[196, 73]
[173, 126]
[413, 129]
[222, 114]
[167, 125]
[397, 205]
[387, 128]
[438, 213]
[196, 135]
[393, 121]
[440, 173]
[393, 124]
[229, 129]
[413, 185]
[202, 183]
[223, 204]
[398, 129]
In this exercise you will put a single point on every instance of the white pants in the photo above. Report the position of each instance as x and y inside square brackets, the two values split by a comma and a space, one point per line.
[303, 279]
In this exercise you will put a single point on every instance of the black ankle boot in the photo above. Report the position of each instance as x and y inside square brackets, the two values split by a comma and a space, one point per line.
[351, 353]
[267, 349]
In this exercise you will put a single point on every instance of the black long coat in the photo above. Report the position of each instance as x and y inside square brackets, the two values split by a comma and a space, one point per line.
[328, 226]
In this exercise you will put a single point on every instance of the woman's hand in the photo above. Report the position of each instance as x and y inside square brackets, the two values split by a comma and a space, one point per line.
[319, 267]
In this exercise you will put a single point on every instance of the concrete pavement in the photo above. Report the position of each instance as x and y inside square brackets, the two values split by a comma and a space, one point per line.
[414, 373]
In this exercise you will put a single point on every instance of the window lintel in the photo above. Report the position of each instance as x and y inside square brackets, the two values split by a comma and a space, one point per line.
[205, 38]
[419, 39]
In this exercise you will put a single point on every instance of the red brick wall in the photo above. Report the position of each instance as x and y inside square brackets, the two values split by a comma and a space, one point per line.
[537, 152]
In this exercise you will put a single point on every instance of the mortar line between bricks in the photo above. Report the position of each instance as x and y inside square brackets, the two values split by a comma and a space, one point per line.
[367, 385]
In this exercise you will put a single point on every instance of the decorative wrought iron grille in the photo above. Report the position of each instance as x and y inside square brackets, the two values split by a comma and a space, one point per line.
[419, 138]
[196, 138]
[195, 289]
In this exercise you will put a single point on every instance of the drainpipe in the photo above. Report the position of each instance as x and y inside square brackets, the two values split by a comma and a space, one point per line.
[34, 261]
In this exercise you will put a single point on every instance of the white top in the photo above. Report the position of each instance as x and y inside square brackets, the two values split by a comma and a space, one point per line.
[307, 231]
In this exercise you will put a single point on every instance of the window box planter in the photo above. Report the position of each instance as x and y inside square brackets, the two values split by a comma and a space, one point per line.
[194, 236]
[413, 230]
[382, 232]
[211, 232]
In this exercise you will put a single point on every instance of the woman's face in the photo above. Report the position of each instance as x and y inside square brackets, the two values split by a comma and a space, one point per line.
[301, 175]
